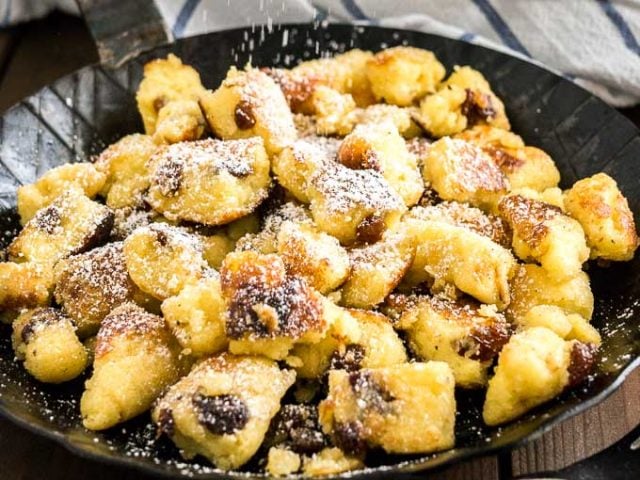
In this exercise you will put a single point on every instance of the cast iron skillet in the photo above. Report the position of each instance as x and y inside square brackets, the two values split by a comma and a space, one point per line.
[78, 115]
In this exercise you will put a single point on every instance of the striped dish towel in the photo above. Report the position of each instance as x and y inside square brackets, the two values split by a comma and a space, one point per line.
[593, 42]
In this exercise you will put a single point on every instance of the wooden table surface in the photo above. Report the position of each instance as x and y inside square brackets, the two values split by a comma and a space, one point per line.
[33, 55]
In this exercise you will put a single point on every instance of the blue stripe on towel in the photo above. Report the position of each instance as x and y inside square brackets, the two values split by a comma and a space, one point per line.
[184, 16]
[319, 14]
[500, 26]
[354, 10]
[619, 22]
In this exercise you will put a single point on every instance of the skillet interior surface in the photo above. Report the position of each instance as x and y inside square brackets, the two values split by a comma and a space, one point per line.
[78, 115]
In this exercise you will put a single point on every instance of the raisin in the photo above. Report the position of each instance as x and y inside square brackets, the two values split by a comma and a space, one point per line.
[41, 316]
[159, 102]
[477, 107]
[244, 116]
[349, 360]
[370, 230]
[486, 341]
[349, 437]
[239, 169]
[355, 153]
[101, 232]
[529, 217]
[221, 414]
[429, 198]
[48, 219]
[583, 359]
[398, 303]
[166, 423]
[306, 441]
[162, 238]
[297, 427]
[168, 177]
[374, 395]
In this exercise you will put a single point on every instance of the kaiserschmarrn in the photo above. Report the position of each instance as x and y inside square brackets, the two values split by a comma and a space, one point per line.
[299, 266]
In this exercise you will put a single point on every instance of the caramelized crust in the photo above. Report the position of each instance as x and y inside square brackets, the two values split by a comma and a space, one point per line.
[165, 81]
[599, 206]
[529, 218]
[23, 285]
[463, 333]
[209, 181]
[296, 87]
[541, 232]
[401, 75]
[45, 340]
[136, 359]
[56, 181]
[408, 408]
[313, 255]
[524, 166]
[460, 171]
[223, 407]
[250, 103]
[263, 301]
[477, 107]
[71, 224]
[127, 320]
[161, 259]
[90, 285]
[345, 73]
[462, 215]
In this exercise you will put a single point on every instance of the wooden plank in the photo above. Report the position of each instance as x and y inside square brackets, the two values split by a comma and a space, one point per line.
[24, 456]
[585, 435]
[484, 468]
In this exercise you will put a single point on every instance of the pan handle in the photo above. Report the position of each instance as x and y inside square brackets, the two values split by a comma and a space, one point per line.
[123, 29]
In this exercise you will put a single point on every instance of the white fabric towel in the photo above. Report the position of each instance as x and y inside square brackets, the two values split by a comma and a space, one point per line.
[593, 42]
